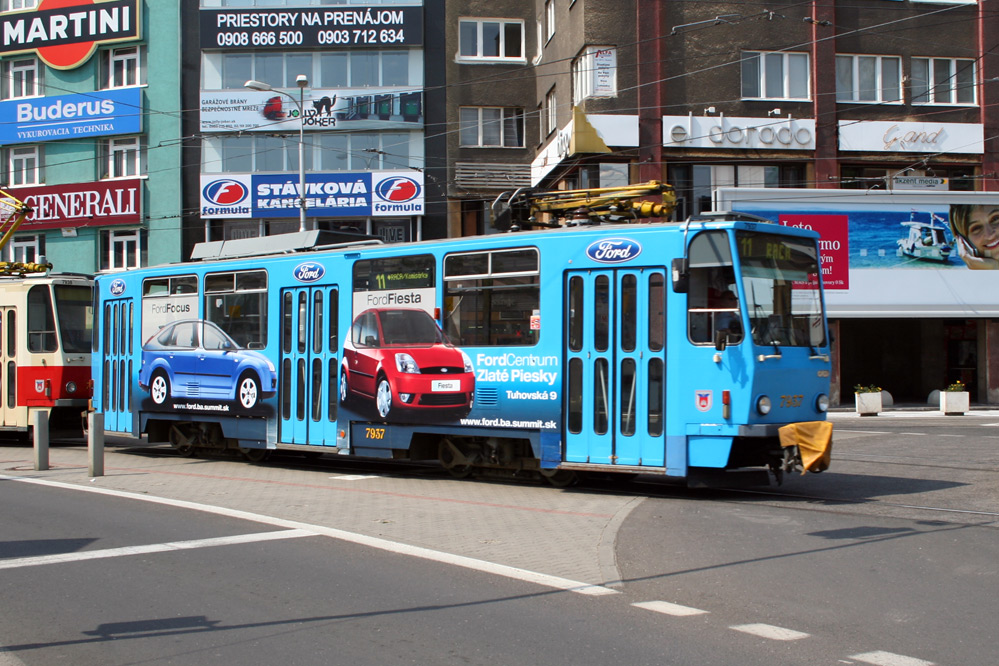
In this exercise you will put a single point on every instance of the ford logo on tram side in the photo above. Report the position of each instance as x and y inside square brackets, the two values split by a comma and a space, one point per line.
[613, 250]
[310, 271]
[117, 287]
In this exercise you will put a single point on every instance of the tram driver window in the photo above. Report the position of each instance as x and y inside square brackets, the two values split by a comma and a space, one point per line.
[713, 312]
[492, 298]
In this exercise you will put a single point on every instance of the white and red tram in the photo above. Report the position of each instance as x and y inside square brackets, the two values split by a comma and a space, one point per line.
[46, 322]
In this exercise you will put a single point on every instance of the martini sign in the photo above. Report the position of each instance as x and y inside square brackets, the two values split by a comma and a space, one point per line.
[65, 33]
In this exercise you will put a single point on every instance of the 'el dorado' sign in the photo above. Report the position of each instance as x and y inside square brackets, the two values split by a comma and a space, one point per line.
[65, 33]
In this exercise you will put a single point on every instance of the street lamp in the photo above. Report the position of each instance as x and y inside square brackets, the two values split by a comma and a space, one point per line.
[302, 80]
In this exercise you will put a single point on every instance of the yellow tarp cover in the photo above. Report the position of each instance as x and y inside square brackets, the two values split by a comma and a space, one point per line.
[814, 442]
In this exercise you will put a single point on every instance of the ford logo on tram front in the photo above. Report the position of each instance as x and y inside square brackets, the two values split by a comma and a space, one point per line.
[309, 272]
[613, 250]
[398, 190]
[225, 192]
[117, 287]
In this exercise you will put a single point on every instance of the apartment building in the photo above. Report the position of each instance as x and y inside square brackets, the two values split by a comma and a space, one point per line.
[87, 141]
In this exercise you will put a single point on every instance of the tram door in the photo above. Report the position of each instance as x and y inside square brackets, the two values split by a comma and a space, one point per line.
[117, 323]
[8, 369]
[615, 352]
[309, 367]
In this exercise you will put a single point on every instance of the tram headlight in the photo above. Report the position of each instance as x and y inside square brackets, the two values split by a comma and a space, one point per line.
[763, 405]
[70, 387]
[822, 403]
[405, 363]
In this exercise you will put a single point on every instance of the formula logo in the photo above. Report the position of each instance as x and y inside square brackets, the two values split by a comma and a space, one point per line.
[613, 250]
[309, 271]
[225, 197]
[703, 400]
[225, 192]
[398, 190]
[117, 287]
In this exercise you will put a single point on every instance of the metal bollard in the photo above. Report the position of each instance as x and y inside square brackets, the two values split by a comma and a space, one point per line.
[41, 441]
[95, 444]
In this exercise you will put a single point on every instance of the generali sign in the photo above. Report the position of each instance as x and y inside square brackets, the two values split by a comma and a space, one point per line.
[65, 33]
[892, 137]
[82, 204]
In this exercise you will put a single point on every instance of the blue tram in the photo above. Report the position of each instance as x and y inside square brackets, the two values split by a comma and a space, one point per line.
[690, 350]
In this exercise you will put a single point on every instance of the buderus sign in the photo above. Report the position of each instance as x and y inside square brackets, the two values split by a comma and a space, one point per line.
[613, 250]
[98, 113]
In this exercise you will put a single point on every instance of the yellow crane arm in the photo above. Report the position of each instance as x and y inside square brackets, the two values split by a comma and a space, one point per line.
[625, 202]
[13, 212]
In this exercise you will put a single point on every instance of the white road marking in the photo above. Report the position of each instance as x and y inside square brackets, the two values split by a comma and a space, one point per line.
[515, 573]
[63, 558]
[353, 477]
[770, 631]
[880, 658]
[669, 609]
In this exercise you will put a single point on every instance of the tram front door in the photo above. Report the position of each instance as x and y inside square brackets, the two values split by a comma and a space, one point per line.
[309, 367]
[615, 354]
[8, 367]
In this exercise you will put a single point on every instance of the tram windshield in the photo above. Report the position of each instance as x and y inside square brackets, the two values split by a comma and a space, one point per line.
[73, 308]
[781, 285]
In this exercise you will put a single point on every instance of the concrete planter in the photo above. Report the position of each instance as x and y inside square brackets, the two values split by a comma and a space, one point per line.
[868, 404]
[955, 403]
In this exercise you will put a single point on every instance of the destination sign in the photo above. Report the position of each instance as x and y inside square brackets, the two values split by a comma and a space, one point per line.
[311, 28]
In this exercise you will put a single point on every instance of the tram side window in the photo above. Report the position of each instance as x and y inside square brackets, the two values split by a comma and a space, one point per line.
[41, 321]
[713, 304]
[492, 297]
[237, 303]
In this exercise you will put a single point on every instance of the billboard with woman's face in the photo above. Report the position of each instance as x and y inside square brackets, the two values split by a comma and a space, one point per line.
[893, 253]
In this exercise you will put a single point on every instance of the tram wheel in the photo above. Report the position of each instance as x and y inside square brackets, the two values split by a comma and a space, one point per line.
[255, 455]
[560, 478]
[183, 444]
[452, 460]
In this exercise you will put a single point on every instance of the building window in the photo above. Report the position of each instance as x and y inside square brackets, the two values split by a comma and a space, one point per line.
[121, 250]
[490, 40]
[862, 78]
[324, 151]
[943, 81]
[24, 165]
[483, 126]
[25, 248]
[21, 78]
[120, 67]
[549, 19]
[775, 75]
[329, 69]
[123, 158]
[594, 73]
[551, 115]
[14, 5]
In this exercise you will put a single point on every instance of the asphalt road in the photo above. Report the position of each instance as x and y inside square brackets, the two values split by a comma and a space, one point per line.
[889, 558]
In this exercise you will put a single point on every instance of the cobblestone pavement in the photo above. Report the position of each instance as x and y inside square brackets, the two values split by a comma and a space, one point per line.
[527, 525]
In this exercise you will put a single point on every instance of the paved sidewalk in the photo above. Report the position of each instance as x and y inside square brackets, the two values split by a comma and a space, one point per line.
[531, 526]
